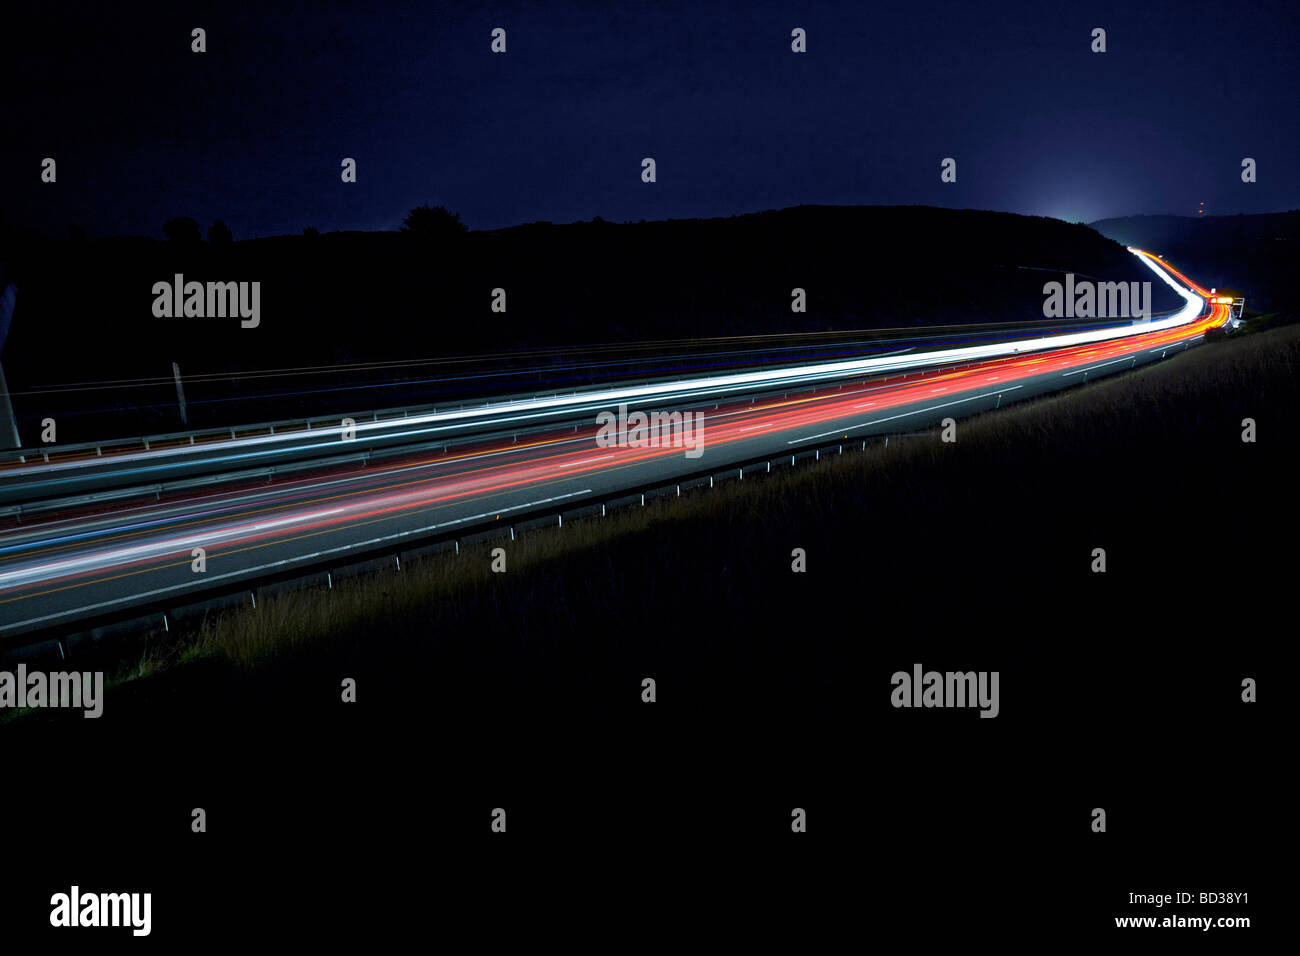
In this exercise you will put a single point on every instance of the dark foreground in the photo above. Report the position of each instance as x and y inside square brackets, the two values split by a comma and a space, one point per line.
[522, 691]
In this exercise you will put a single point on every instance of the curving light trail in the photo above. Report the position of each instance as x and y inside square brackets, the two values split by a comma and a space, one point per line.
[57, 569]
[526, 412]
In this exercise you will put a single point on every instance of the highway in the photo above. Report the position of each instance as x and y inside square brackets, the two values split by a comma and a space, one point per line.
[509, 459]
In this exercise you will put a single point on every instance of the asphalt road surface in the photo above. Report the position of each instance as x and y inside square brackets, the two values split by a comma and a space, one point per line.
[75, 566]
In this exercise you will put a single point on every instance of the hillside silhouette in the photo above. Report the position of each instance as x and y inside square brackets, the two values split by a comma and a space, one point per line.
[84, 308]
[1257, 255]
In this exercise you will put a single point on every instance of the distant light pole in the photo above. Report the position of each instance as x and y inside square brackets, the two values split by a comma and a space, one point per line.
[180, 393]
[8, 424]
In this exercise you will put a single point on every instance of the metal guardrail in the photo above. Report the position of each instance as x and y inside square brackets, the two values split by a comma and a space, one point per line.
[197, 436]
[159, 618]
[20, 456]
[314, 574]
[318, 458]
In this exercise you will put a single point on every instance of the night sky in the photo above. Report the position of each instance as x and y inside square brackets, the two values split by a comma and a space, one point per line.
[253, 130]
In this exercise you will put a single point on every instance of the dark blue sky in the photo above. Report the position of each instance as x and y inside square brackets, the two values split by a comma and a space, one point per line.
[253, 131]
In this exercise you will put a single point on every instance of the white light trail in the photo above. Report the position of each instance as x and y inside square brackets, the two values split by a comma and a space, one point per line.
[509, 413]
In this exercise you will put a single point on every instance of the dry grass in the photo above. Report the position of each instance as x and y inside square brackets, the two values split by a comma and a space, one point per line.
[1173, 426]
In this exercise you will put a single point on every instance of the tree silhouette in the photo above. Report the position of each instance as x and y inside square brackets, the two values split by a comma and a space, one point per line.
[219, 233]
[433, 223]
[182, 229]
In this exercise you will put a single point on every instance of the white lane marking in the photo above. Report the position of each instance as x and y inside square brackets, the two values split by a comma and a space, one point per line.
[715, 384]
[227, 500]
[262, 526]
[919, 411]
[27, 573]
[137, 598]
[1128, 358]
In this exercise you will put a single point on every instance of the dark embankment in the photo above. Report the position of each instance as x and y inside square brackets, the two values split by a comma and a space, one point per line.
[84, 310]
[523, 690]
[1257, 256]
